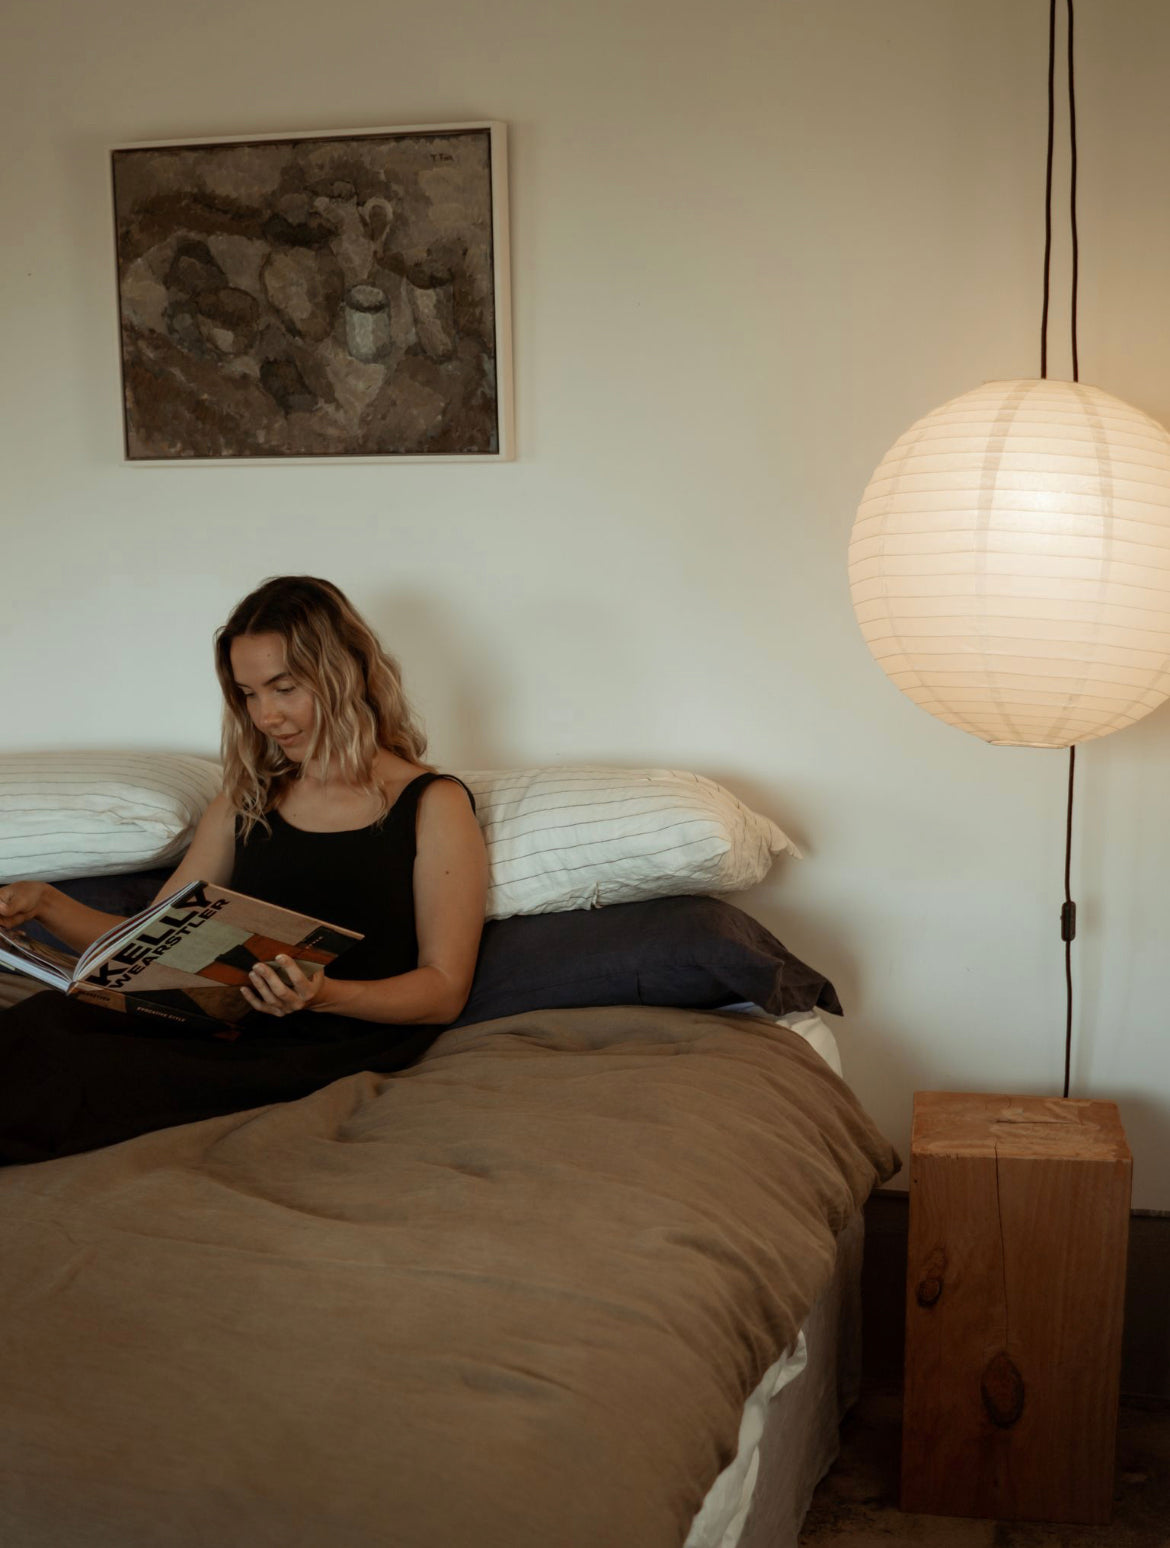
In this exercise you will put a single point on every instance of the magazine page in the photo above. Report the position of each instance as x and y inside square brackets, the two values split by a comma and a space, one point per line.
[24, 955]
[126, 929]
[60, 968]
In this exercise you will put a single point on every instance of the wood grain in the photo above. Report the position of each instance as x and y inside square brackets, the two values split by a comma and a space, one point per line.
[1019, 1216]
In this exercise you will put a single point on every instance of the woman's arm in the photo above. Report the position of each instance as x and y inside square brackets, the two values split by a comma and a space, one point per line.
[211, 854]
[450, 886]
[68, 920]
[209, 858]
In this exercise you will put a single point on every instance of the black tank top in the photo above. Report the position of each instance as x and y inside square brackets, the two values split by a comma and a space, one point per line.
[360, 878]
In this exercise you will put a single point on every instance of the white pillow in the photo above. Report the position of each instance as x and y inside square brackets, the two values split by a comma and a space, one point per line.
[65, 814]
[583, 836]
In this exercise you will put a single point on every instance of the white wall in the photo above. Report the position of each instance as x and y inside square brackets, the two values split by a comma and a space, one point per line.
[751, 244]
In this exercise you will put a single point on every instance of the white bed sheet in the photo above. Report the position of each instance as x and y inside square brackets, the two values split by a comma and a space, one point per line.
[807, 1024]
[721, 1516]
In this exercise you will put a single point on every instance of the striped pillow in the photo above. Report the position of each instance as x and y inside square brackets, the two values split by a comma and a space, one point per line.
[65, 814]
[583, 836]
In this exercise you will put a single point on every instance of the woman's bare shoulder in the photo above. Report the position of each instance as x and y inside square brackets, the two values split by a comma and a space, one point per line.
[220, 812]
[446, 792]
[393, 774]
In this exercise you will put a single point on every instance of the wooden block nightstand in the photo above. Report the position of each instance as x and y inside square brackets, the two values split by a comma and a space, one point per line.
[1019, 1219]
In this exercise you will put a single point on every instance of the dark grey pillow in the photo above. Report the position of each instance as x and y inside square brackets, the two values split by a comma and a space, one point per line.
[699, 952]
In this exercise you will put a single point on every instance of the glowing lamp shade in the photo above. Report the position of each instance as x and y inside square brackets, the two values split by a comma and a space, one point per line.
[1010, 563]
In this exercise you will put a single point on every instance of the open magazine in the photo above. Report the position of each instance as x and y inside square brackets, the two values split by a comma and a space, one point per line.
[184, 958]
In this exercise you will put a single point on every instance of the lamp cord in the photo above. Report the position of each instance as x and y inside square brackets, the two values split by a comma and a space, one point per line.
[1068, 912]
[1048, 190]
[1068, 921]
[1072, 191]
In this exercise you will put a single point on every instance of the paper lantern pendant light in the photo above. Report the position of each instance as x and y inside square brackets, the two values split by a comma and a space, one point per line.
[1010, 563]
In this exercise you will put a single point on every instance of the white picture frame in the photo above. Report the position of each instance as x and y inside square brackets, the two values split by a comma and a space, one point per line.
[315, 296]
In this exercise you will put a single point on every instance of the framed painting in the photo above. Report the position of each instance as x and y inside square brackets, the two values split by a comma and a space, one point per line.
[315, 296]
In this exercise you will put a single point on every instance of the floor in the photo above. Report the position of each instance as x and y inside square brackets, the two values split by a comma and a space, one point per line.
[856, 1505]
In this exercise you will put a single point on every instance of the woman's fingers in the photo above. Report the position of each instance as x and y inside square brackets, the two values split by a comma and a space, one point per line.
[17, 904]
[274, 992]
[262, 986]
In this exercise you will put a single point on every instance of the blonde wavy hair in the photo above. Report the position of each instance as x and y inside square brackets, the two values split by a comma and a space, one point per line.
[356, 688]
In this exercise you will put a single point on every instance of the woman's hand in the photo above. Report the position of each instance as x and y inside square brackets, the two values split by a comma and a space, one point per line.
[283, 993]
[22, 901]
[60, 914]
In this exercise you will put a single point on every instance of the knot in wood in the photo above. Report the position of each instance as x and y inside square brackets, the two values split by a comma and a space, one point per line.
[1002, 1391]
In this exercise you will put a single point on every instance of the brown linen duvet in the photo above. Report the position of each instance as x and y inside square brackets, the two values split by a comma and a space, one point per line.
[512, 1297]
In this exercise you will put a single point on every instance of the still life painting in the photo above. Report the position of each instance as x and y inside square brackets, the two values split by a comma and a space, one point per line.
[314, 296]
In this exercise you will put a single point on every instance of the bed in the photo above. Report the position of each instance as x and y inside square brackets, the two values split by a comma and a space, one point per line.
[587, 1274]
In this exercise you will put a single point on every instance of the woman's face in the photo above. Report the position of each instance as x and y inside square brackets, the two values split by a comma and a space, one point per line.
[278, 705]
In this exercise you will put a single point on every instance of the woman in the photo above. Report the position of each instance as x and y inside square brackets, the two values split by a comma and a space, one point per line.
[327, 809]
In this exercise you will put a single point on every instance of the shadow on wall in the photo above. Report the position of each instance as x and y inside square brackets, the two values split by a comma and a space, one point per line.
[449, 679]
[1121, 852]
[816, 936]
[1146, 1118]
[761, 798]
